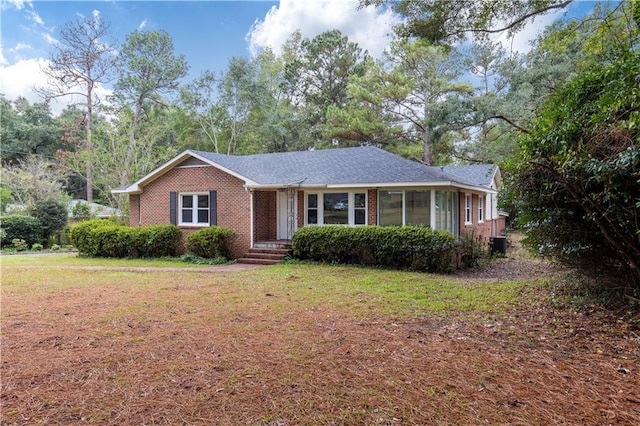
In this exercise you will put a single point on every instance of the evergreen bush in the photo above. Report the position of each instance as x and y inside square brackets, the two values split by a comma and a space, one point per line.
[210, 242]
[22, 227]
[408, 247]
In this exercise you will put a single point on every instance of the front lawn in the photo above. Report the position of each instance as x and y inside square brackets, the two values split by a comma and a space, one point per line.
[73, 259]
[297, 344]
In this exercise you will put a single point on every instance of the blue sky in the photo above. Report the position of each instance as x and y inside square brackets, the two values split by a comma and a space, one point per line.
[208, 33]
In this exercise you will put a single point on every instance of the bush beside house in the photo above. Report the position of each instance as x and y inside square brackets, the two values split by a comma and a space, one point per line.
[211, 243]
[102, 238]
[409, 247]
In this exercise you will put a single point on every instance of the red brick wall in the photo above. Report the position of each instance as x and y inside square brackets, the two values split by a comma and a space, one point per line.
[134, 210]
[301, 211]
[372, 207]
[233, 201]
[483, 230]
[266, 215]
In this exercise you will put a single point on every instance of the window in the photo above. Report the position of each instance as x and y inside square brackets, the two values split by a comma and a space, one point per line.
[446, 211]
[312, 209]
[418, 208]
[390, 207]
[194, 209]
[480, 209]
[336, 208]
[413, 207]
[467, 208]
[360, 209]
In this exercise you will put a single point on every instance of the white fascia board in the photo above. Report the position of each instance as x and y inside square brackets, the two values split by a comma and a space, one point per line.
[131, 189]
[136, 187]
[439, 184]
[246, 180]
[254, 185]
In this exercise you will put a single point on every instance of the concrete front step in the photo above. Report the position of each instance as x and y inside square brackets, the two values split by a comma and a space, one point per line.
[265, 256]
[278, 251]
[254, 261]
[272, 245]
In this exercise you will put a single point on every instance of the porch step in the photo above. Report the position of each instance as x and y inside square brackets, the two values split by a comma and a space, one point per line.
[281, 244]
[264, 256]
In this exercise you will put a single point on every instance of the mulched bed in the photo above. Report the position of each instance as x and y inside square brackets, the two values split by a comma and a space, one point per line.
[70, 360]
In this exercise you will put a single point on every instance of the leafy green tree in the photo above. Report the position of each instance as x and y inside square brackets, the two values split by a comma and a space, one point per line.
[53, 216]
[34, 179]
[577, 184]
[27, 129]
[451, 21]
[148, 68]
[317, 74]
[417, 87]
[205, 117]
[5, 199]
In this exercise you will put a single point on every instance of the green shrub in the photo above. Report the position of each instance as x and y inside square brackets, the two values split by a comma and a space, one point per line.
[55, 247]
[197, 260]
[409, 247]
[471, 250]
[157, 240]
[22, 227]
[19, 244]
[53, 217]
[210, 242]
[81, 237]
[103, 238]
[37, 247]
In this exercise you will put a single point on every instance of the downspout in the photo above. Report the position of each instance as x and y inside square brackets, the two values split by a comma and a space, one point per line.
[251, 216]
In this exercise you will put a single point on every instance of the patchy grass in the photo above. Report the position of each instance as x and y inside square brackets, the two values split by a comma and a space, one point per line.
[73, 259]
[299, 344]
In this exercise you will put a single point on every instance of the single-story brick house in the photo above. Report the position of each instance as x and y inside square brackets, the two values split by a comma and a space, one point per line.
[266, 197]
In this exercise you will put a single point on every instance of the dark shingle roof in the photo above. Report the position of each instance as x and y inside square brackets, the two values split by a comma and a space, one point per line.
[475, 174]
[360, 165]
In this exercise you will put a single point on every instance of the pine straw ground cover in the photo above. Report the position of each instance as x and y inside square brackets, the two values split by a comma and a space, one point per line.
[299, 344]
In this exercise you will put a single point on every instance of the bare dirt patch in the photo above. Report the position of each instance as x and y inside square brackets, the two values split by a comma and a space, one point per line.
[183, 348]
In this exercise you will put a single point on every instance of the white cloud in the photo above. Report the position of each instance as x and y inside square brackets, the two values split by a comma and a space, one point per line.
[21, 78]
[369, 27]
[20, 46]
[49, 38]
[18, 4]
[33, 15]
[142, 24]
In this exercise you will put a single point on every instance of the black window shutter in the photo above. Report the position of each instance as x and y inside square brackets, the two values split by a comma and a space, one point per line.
[173, 208]
[213, 208]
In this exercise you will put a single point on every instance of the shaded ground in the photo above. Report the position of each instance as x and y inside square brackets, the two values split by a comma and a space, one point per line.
[196, 352]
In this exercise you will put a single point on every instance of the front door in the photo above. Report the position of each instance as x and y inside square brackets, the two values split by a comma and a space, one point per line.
[286, 214]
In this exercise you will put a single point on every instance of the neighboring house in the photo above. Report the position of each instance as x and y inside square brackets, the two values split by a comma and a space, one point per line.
[266, 197]
[96, 210]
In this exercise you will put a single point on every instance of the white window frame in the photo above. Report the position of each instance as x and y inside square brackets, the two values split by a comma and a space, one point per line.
[351, 216]
[481, 202]
[194, 209]
[468, 203]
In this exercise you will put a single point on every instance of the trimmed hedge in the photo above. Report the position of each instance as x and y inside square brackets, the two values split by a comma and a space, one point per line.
[22, 227]
[211, 242]
[403, 247]
[103, 238]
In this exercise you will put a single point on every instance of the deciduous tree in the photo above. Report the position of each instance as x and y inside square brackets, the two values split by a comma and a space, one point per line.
[81, 62]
